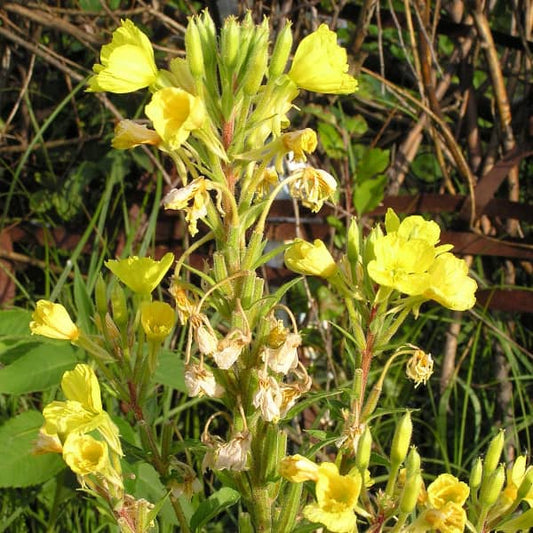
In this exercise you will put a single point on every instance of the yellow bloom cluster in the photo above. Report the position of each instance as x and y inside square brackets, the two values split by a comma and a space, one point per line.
[409, 260]
[81, 430]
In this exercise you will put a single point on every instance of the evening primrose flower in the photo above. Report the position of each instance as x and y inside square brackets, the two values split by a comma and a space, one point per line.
[268, 397]
[230, 348]
[231, 455]
[174, 114]
[297, 469]
[200, 381]
[127, 63]
[82, 411]
[311, 259]
[129, 134]
[450, 284]
[193, 199]
[337, 497]
[141, 274]
[450, 518]
[313, 187]
[402, 264]
[320, 64]
[300, 142]
[284, 357]
[157, 319]
[85, 455]
[447, 488]
[53, 321]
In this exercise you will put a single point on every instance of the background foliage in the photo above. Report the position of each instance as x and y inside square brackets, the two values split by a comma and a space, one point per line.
[442, 124]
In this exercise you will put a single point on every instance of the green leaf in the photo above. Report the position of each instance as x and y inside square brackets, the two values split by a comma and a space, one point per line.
[369, 194]
[15, 322]
[214, 505]
[331, 140]
[18, 467]
[370, 163]
[170, 371]
[40, 366]
[355, 125]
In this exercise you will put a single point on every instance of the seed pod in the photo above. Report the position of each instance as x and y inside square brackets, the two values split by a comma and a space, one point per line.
[401, 440]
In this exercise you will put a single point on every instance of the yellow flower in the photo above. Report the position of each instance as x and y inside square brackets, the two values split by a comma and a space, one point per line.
[53, 321]
[450, 284]
[336, 499]
[297, 469]
[450, 518]
[447, 488]
[157, 319]
[141, 274]
[320, 64]
[402, 264]
[516, 475]
[310, 259]
[129, 134]
[313, 186]
[127, 63]
[82, 411]
[197, 195]
[174, 114]
[85, 455]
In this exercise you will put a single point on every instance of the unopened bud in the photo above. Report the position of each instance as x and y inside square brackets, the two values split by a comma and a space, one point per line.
[229, 43]
[476, 474]
[410, 493]
[352, 242]
[193, 46]
[492, 487]
[401, 440]
[257, 64]
[525, 487]
[412, 463]
[364, 449]
[281, 52]
[119, 306]
[100, 296]
[494, 452]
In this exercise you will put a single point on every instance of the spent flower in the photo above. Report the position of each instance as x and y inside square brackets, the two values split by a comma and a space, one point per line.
[312, 186]
[419, 367]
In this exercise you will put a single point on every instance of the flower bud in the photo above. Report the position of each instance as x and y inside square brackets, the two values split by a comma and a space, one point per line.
[492, 487]
[297, 468]
[229, 42]
[193, 46]
[157, 319]
[119, 306]
[525, 487]
[476, 474]
[255, 68]
[401, 440]
[364, 448]
[410, 493]
[281, 52]
[412, 463]
[352, 241]
[100, 296]
[494, 452]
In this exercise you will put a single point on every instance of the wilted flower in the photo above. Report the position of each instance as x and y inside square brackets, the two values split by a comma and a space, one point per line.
[127, 63]
[141, 274]
[204, 334]
[419, 367]
[200, 381]
[129, 134]
[193, 199]
[53, 321]
[313, 187]
[311, 259]
[269, 179]
[299, 142]
[232, 455]
[174, 114]
[284, 357]
[268, 397]
[47, 443]
[157, 319]
[447, 488]
[450, 518]
[229, 348]
[184, 306]
[321, 65]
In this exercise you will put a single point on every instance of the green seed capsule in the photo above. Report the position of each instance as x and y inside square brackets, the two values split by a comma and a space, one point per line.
[494, 452]
[401, 440]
